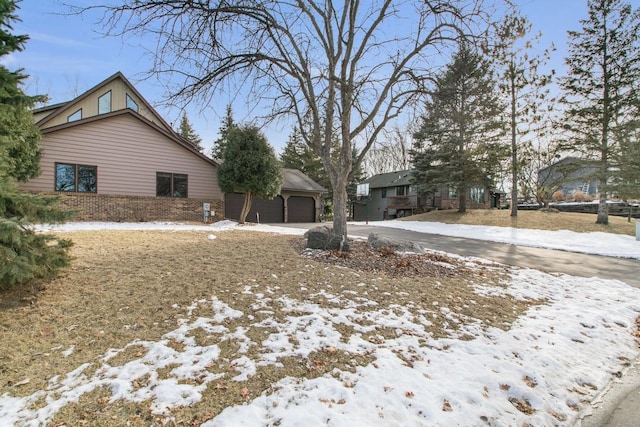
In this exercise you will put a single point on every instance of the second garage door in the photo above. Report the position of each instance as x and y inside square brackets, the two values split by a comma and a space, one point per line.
[301, 209]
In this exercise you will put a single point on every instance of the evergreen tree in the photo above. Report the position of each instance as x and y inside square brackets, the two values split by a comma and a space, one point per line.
[524, 87]
[601, 91]
[217, 152]
[298, 155]
[250, 167]
[187, 132]
[456, 145]
[24, 255]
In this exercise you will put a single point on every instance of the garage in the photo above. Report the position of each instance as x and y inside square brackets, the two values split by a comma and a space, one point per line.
[271, 211]
[300, 197]
[301, 209]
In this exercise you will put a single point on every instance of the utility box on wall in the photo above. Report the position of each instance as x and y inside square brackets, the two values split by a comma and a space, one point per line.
[206, 211]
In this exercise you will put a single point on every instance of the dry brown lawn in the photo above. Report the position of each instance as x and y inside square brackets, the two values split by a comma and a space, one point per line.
[537, 220]
[136, 285]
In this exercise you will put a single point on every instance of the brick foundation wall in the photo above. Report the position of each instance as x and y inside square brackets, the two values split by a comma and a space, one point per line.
[101, 207]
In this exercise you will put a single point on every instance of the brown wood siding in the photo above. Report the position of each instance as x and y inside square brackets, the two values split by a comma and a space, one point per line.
[271, 211]
[128, 153]
[301, 209]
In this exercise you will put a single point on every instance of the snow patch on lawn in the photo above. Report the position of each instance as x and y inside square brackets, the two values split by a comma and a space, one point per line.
[542, 371]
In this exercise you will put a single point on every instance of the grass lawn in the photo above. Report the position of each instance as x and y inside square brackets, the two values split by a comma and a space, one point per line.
[224, 320]
[132, 285]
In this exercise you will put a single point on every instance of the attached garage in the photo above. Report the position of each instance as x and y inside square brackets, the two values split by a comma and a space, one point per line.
[300, 200]
[271, 211]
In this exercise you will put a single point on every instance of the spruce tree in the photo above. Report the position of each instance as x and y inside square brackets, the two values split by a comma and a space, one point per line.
[186, 131]
[601, 90]
[217, 152]
[250, 167]
[24, 254]
[457, 143]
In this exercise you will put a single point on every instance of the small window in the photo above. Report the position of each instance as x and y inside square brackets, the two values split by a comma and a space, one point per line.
[453, 193]
[104, 103]
[76, 178]
[131, 104]
[477, 195]
[171, 184]
[384, 193]
[402, 190]
[75, 116]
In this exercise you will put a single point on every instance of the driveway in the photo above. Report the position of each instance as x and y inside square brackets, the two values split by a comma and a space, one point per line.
[547, 260]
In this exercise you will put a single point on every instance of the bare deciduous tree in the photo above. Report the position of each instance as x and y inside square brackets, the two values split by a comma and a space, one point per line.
[392, 154]
[338, 67]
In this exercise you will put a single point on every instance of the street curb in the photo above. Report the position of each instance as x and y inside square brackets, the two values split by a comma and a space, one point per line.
[618, 404]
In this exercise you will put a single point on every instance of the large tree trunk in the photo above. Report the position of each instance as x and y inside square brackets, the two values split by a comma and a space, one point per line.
[340, 210]
[246, 207]
[462, 200]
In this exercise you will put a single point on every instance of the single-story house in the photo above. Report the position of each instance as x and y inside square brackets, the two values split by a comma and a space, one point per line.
[392, 195]
[110, 156]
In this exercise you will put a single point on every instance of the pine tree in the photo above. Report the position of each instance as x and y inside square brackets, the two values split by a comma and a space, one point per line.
[250, 167]
[523, 85]
[456, 145]
[298, 155]
[217, 152]
[601, 92]
[24, 254]
[187, 132]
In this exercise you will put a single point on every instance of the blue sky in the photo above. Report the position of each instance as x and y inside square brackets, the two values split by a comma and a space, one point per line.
[66, 55]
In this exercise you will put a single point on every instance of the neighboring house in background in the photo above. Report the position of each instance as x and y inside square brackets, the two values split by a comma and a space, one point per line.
[570, 175]
[391, 195]
[112, 157]
[300, 200]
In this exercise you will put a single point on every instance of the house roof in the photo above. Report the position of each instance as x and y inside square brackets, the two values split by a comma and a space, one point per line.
[570, 160]
[391, 179]
[295, 180]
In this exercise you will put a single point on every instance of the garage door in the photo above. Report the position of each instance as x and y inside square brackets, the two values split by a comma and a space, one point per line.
[271, 211]
[301, 209]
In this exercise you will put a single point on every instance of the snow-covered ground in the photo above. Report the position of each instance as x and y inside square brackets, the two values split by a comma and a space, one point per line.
[543, 371]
